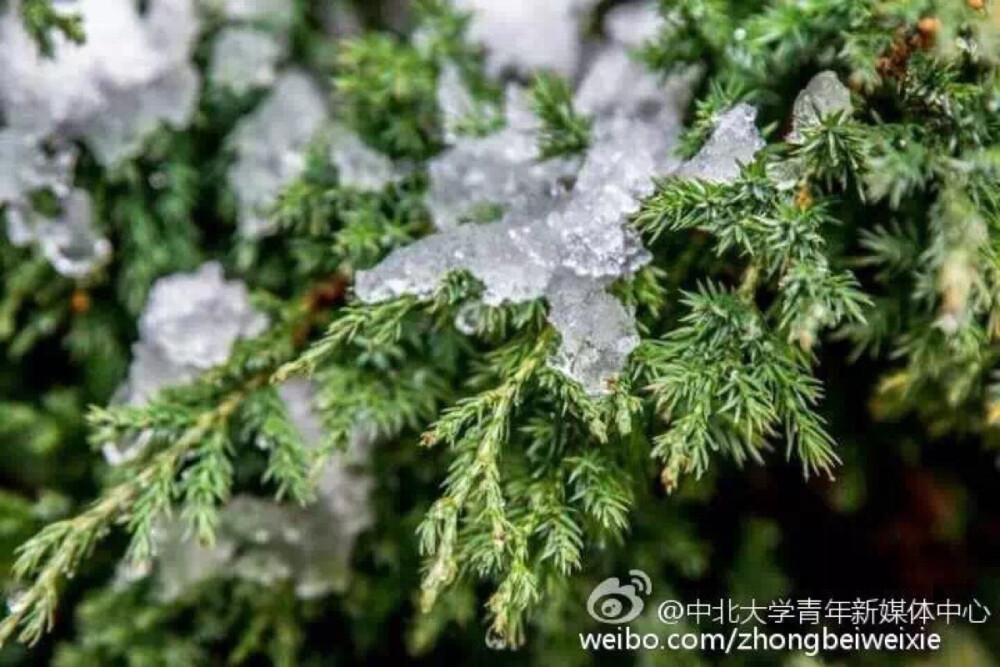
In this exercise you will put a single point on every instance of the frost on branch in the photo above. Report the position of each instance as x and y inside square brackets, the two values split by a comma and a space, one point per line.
[271, 146]
[571, 253]
[190, 325]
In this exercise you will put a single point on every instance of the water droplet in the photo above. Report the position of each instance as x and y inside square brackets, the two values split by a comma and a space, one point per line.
[17, 602]
[470, 318]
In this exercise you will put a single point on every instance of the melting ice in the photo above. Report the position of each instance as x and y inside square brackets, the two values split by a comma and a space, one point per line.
[569, 246]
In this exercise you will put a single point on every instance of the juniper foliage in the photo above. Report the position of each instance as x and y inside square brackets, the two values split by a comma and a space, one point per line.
[878, 226]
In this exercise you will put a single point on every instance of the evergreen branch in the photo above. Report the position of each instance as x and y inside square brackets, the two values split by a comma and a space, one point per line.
[382, 325]
[834, 151]
[525, 357]
[720, 97]
[55, 553]
[564, 132]
[289, 463]
[387, 91]
[558, 527]
[186, 456]
[518, 592]
[477, 429]
[206, 485]
[601, 489]
[725, 383]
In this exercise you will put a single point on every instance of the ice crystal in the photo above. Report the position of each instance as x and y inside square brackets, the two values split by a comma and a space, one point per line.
[823, 95]
[499, 171]
[735, 142]
[572, 253]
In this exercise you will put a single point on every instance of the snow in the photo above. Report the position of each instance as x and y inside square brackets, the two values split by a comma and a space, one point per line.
[131, 76]
[569, 254]
[633, 24]
[26, 166]
[455, 101]
[566, 245]
[268, 542]
[271, 151]
[358, 166]
[522, 36]
[500, 169]
[244, 59]
[69, 240]
[190, 324]
[143, 58]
